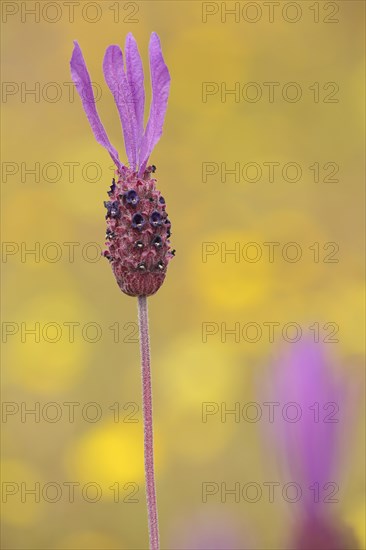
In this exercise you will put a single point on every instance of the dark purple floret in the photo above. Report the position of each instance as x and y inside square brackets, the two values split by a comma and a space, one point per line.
[138, 221]
[132, 197]
[155, 219]
[161, 200]
[153, 168]
[160, 265]
[107, 255]
[139, 244]
[113, 187]
[112, 209]
[157, 241]
[110, 234]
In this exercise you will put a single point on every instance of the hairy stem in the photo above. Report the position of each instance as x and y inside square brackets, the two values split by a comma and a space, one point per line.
[152, 511]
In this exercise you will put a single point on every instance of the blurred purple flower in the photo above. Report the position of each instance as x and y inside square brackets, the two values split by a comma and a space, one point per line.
[310, 433]
[322, 533]
[310, 440]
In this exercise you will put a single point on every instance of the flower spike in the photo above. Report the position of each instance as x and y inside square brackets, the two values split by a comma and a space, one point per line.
[138, 227]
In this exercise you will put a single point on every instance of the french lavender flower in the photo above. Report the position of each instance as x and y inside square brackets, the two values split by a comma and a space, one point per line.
[138, 227]
[310, 441]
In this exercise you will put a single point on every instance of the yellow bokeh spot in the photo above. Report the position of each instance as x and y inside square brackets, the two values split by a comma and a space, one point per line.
[192, 370]
[58, 358]
[193, 374]
[356, 520]
[228, 273]
[109, 454]
[19, 505]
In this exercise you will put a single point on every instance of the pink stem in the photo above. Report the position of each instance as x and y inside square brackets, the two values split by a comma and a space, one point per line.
[148, 421]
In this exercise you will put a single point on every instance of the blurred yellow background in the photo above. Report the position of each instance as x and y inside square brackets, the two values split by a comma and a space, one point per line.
[82, 376]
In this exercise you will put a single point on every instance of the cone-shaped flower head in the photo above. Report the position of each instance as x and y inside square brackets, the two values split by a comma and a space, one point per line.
[138, 228]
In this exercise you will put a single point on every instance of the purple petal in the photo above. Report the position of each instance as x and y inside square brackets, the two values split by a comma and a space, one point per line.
[81, 78]
[160, 83]
[306, 388]
[135, 77]
[117, 82]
